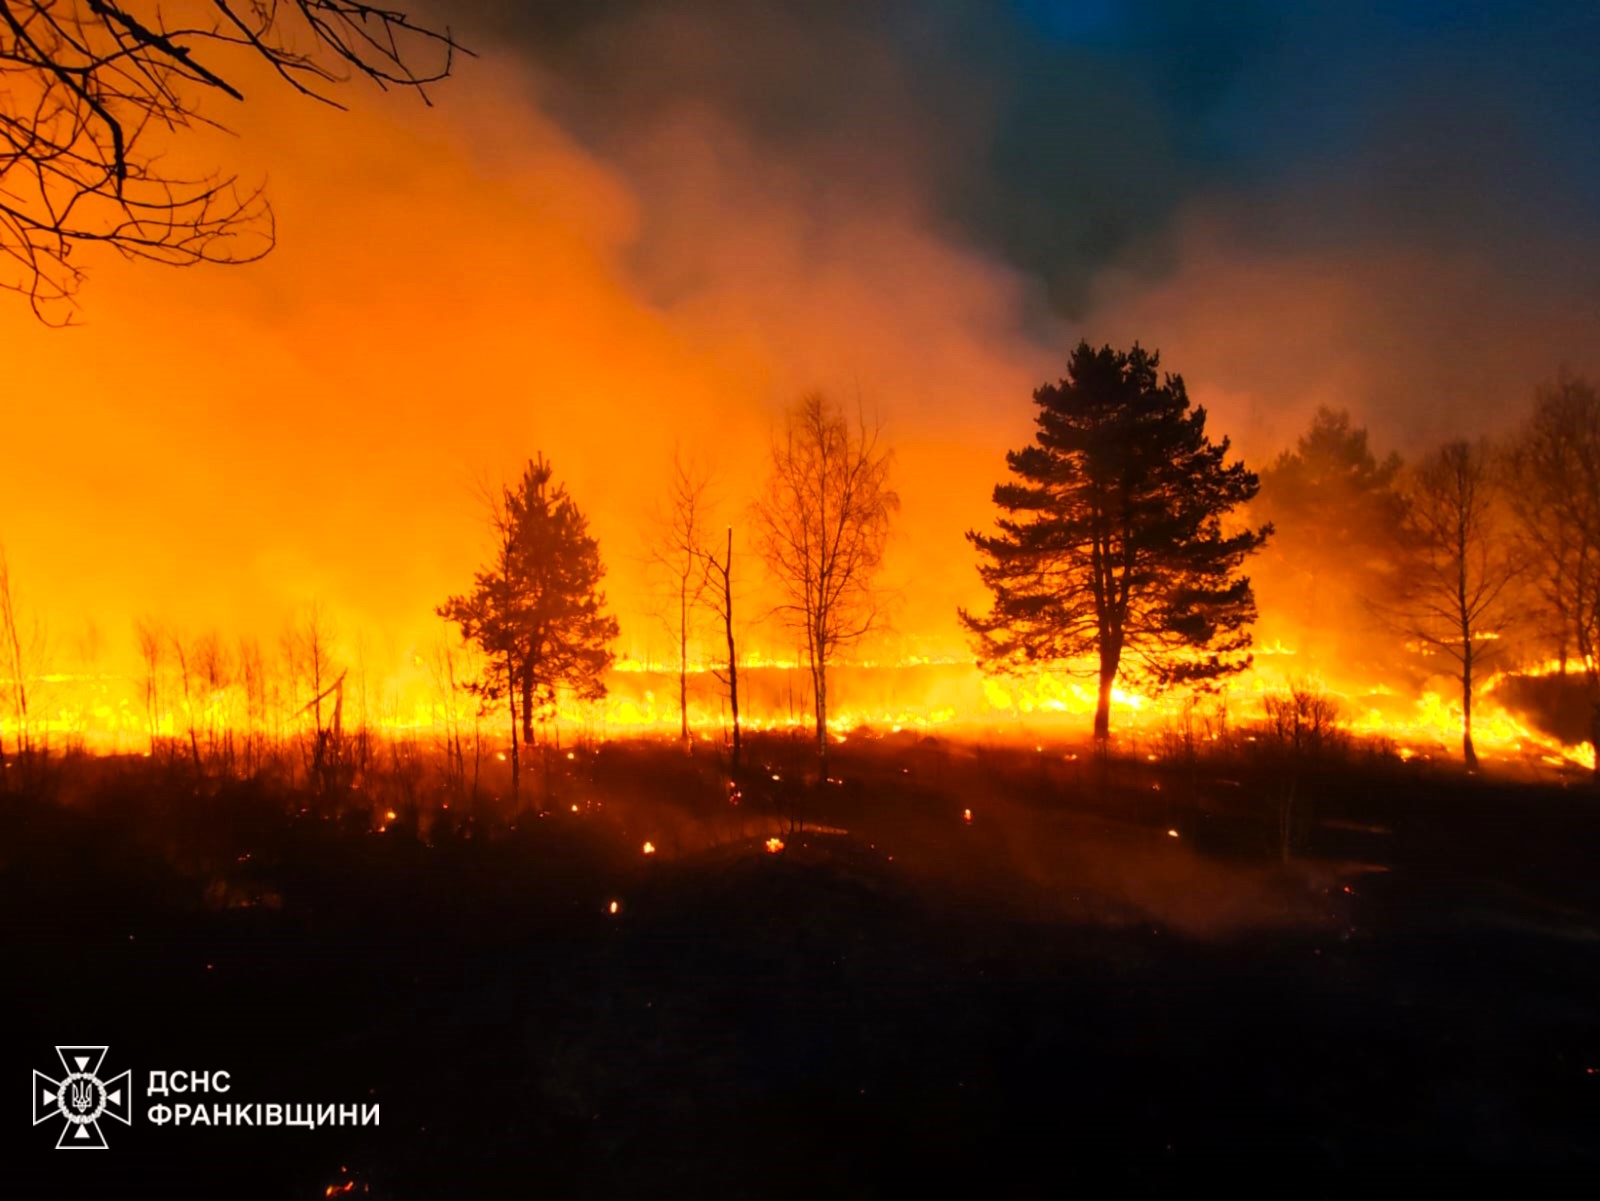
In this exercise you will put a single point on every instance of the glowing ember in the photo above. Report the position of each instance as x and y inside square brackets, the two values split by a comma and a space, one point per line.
[614, 907]
[389, 815]
[649, 848]
[966, 816]
[1172, 833]
[774, 845]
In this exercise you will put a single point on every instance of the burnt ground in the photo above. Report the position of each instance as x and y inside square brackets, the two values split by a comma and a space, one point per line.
[1106, 979]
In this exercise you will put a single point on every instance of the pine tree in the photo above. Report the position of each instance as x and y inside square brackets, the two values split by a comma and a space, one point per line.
[537, 610]
[1110, 543]
[1338, 509]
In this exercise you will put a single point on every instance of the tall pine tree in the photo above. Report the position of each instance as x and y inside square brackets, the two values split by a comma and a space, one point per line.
[1110, 543]
[536, 609]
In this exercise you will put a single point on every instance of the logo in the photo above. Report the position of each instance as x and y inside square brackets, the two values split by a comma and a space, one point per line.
[81, 1099]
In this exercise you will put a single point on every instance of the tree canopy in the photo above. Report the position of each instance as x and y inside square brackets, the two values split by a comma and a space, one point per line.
[536, 609]
[1338, 509]
[1110, 544]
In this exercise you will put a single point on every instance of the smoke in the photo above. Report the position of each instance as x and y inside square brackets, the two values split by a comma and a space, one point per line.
[628, 225]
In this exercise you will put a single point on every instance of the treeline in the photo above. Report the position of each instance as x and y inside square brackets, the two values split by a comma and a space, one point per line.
[1478, 557]
[1126, 538]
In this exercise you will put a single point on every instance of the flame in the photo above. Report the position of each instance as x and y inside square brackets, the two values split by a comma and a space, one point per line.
[649, 848]
[774, 845]
[106, 712]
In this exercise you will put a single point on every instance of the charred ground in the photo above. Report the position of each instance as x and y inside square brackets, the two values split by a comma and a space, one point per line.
[1109, 974]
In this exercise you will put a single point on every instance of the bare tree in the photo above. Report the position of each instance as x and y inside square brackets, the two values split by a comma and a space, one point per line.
[1552, 468]
[14, 667]
[456, 668]
[185, 673]
[308, 653]
[93, 91]
[677, 551]
[1455, 594]
[22, 654]
[252, 679]
[152, 641]
[822, 523]
[1302, 733]
[719, 589]
[214, 673]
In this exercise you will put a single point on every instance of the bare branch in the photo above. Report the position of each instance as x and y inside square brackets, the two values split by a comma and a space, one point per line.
[88, 88]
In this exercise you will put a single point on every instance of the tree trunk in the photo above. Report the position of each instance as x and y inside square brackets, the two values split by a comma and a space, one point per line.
[1594, 736]
[1102, 708]
[527, 706]
[733, 658]
[1467, 751]
[819, 687]
[683, 662]
[516, 762]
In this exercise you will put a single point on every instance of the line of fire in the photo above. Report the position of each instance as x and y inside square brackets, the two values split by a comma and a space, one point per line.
[1459, 593]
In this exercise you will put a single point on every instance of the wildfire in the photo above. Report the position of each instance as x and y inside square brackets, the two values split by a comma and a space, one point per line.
[106, 712]
[774, 845]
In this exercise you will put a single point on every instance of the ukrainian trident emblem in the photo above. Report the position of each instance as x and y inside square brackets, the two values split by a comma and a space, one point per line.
[81, 1098]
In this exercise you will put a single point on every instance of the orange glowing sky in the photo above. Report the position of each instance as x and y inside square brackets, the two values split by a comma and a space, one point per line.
[451, 292]
[457, 287]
